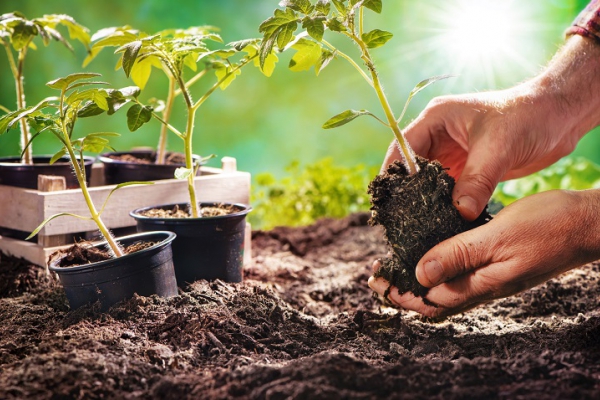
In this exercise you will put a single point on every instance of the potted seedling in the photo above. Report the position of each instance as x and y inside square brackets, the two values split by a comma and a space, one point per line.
[17, 34]
[210, 236]
[412, 200]
[153, 164]
[116, 268]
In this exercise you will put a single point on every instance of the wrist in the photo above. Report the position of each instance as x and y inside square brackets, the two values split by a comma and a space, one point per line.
[586, 237]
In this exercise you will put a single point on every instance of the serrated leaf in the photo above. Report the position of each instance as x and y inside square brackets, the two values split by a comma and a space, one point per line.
[315, 27]
[141, 70]
[374, 5]
[303, 6]
[89, 110]
[138, 115]
[344, 117]
[22, 33]
[182, 173]
[224, 73]
[340, 7]
[130, 54]
[94, 144]
[323, 7]
[63, 83]
[376, 38]
[335, 25]
[324, 60]
[307, 55]
[58, 156]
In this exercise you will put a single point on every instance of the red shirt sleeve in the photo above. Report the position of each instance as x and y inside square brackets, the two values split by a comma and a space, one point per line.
[587, 22]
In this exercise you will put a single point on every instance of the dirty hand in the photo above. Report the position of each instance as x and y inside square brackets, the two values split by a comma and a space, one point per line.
[484, 138]
[527, 243]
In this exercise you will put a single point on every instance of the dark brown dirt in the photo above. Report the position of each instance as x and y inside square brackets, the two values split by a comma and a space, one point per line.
[303, 325]
[178, 212]
[82, 253]
[149, 158]
[416, 212]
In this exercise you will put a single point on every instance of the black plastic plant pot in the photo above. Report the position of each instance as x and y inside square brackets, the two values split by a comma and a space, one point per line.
[206, 247]
[13, 173]
[145, 272]
[118, 171]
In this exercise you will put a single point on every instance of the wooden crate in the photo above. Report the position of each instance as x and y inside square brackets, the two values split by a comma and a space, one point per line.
[24, 209]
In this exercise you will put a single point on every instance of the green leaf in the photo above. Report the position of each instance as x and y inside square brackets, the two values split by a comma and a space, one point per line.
[22, 34]
[376, 38]
[182, 173]
[308, 54]
[315, 26]
[374, 5]
[278, 29]
[94, 144]
[302, 6]
[141, 70]
[40, 226]
[63, 83]
[58, 155]
[426, 82]
[6, 121]
[344, 117]
[420, 86]
[339, 5]
[335, 25]
[323, 7]
[225, 74]
[138, 115]
[130, 54]
[324, 60]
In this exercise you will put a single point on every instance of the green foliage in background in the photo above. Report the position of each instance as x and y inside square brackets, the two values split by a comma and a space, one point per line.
[568, 173]
[305, 194]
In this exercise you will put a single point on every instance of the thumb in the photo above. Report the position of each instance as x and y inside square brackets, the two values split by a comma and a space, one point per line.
[454, 257]
[474, 187]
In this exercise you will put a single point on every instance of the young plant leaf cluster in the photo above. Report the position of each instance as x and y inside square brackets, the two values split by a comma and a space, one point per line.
[79, 97]
[16, 35]
[342, 17]
[176, 52]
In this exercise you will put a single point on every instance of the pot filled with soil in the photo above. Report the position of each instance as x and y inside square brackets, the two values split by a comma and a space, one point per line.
[209, 247]
[140, 165]
[416, 212]
[14, 173]
[89, 274]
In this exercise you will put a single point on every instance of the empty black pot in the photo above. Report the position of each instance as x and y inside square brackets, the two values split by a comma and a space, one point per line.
[206, 247]
[13, 173]
[118, 171]
[145, 272]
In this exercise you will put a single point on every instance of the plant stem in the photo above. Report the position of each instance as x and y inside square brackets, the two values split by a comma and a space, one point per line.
[350, 60]
[27, 157]
[80, 174]
[189, 162]
[166, 115]
[407, 153]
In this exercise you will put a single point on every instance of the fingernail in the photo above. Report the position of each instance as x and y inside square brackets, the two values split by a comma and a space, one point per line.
[467, 206]
[433, 271]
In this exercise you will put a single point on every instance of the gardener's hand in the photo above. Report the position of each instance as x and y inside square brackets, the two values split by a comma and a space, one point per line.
[527, 243]
[484, 138]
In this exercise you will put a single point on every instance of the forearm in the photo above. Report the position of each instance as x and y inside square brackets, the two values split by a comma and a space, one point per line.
[571, 84]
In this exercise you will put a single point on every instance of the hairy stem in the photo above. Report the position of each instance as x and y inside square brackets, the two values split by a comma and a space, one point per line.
[161, 150]
[27, 157]
[404, 147]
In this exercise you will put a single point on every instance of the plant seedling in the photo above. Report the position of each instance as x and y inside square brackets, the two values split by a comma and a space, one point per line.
[412, 200]
[16, 35]
[344, 17]
[79, 97]
[172, 51]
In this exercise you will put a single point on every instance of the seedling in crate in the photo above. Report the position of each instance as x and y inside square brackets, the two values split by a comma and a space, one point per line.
[16, 35]
[79, 97]
[172, 51]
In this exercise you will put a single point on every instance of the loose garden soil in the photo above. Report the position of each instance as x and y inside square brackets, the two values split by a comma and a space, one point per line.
[303, 324]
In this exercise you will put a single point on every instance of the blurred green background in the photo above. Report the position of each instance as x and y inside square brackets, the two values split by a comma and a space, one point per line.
[266, 123]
